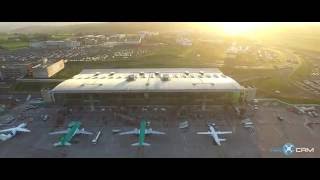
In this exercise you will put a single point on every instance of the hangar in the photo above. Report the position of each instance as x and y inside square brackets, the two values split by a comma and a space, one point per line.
[161, 86]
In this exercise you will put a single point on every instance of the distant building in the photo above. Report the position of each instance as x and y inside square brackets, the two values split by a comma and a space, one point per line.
[123, 39]
[14, 71]
[184, 42]
[47, 70]
[54, 44]
[144, 34]
[40, 44]
[92, 39]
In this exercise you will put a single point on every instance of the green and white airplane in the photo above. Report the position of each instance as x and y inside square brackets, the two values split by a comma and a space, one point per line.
[73, 129]
[142, 132]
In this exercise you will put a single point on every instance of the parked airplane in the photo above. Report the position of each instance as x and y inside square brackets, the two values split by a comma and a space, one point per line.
[142, 132]
[215, 134]
[73, 129]
[11, 132]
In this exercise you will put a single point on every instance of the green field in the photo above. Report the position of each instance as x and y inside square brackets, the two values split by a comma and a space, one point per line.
[60, 36]
[13, 45]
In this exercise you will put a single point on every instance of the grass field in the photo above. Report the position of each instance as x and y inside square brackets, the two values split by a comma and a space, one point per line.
[60, 36]
[13, 45]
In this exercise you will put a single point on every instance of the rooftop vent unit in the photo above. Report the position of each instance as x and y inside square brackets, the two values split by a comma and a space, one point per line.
[186, 72]
[142, 74]
[165, 77]
[97, 73]
[111, 73]
[201, 72]
[131, 77]
[157, 73]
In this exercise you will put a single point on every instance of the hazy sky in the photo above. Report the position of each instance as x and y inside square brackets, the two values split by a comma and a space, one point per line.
[5, 26]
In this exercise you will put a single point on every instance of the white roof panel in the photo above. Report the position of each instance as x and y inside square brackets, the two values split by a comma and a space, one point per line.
[177, 83]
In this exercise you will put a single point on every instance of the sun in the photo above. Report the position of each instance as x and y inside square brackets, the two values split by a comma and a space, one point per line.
[239, 28]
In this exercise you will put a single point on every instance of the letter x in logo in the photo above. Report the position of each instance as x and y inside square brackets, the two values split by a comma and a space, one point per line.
[288, 149]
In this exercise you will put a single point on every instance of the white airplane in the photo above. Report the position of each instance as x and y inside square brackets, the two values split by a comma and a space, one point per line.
[215, 134]
[9, 133]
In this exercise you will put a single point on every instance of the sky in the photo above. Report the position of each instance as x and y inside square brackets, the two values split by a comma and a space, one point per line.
[7, 26]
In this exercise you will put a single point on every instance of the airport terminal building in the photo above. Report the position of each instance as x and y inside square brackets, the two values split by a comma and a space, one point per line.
[161, 86]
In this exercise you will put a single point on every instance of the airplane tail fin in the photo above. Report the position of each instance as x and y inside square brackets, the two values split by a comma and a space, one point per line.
[138, 144]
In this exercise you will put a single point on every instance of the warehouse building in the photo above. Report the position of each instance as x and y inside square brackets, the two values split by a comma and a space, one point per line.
[47, 70]
[162, 86]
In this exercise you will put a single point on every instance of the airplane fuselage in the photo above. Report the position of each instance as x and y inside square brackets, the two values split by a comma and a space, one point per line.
[214, 135]
[142, 132]
[72, 131]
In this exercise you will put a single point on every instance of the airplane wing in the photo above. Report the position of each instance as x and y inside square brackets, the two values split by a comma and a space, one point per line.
[138, 144]
[224, 132]
[82, 131]
[59, 132]
[155, 132]
[135, 131]
[7, 130]
[23, 130]
[60, 144]
[203, 133]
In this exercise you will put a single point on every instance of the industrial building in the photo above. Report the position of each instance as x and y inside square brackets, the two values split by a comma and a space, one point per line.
[161, 86]
[47, 70]
[123, 39]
